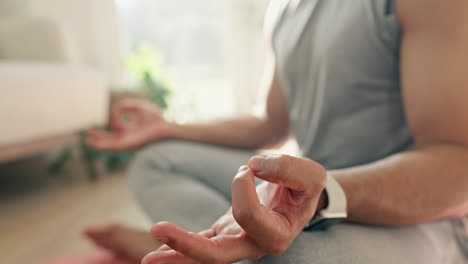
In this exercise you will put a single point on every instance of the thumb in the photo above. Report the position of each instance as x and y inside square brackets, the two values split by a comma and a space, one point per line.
[117, 112]
[299, 174]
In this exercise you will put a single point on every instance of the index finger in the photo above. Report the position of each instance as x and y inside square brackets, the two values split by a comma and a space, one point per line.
[268, 230]
[225, 249]
[169, 256]
[207, 233]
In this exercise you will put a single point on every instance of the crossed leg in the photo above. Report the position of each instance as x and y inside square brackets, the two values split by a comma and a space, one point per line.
[430, 243]
[189, 184]
[185, 183]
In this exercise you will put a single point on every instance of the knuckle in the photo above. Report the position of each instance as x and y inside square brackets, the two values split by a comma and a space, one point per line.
[278, 245]
[316, 180]
[245, 216]
[242, 215]
[277, 249]
[321, 177]
[283, 161]
[321, 170]
[286, 163]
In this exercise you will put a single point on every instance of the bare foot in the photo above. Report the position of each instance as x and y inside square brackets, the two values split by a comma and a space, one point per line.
[129, 242]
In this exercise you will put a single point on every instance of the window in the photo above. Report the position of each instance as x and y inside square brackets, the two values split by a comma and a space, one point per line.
[211, 51]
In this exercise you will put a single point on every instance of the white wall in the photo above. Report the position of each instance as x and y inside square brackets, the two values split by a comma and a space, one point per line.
[10, 8]
[91, 24]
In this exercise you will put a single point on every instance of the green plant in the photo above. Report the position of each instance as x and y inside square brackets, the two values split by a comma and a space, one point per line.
[146, 66]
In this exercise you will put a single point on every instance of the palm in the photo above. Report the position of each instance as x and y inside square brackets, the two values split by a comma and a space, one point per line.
[280, 210]
[135, 116]
[133, 123]
[281, 207]
[226, 237]
[263, 219]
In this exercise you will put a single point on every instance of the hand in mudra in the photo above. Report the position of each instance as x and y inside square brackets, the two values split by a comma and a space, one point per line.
[263, 220]
[134, 123]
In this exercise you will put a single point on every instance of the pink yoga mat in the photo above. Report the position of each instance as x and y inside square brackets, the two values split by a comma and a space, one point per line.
[100, 257]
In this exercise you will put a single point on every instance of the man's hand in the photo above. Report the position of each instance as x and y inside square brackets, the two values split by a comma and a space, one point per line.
[134, 123]
[263, 220]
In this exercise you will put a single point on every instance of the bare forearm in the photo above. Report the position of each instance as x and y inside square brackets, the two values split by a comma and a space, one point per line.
[247, 133]
[425, 184]
[272, 129]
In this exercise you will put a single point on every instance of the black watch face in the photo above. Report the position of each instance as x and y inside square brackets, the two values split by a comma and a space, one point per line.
[324, 224]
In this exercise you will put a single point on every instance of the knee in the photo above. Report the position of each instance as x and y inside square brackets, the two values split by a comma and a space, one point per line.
[159, 155]
[150, 162]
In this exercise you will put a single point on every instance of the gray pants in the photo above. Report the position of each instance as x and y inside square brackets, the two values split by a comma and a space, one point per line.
[189, 184]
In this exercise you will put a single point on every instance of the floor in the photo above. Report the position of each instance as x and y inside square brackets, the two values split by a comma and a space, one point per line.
[42, 215]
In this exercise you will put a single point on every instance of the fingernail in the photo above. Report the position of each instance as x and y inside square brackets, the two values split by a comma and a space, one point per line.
[162, 239]
[256, 163]
[147, 258]
[243, 168]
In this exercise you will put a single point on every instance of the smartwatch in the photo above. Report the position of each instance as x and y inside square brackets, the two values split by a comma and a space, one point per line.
[335, 212]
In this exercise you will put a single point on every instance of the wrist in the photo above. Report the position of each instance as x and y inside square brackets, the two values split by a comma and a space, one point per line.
[331, 208]
[160, 131]
[170, 130]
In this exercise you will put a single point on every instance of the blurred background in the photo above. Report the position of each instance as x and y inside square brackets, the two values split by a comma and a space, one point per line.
[63, 63]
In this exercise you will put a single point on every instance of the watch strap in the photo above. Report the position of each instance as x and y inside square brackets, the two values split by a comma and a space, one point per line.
[336, 210]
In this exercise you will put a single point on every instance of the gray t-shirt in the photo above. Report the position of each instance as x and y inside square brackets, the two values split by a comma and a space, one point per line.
[338, 63]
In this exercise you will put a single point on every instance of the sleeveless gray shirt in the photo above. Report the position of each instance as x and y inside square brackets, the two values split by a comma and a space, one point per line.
[338, 63]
